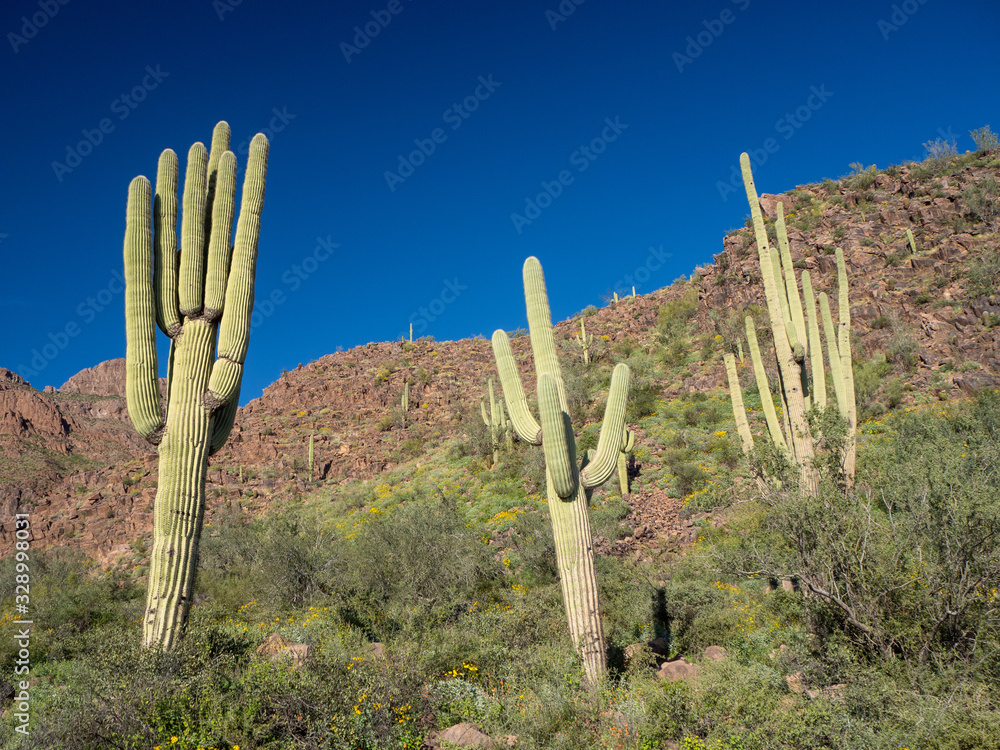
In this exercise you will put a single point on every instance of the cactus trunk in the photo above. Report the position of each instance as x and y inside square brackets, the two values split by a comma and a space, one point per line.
[180, 494]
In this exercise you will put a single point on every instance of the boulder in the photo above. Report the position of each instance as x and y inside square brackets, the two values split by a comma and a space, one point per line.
[716, 653]
[678, 669]
[460, 735]
[277, 648]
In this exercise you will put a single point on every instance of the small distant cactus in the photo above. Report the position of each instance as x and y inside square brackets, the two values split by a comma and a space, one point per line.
[312, 457]
[501, 430]
[584, 340]
[202, 298]
[628, 444]
[568, 487]
[405, 402]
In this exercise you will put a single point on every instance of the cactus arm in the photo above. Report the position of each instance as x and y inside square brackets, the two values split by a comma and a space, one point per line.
[612, 437]
[815, 345]
[833, 355]
[165, 232]
[222, 423]
[767, 402]
[558, 442]
[847, 366]
[191, 287]
[543, 341]
[779, 280]
[234, 328]
[142, 386]
[739, 410]
[791, 287]
[510, 381]
[220, 247]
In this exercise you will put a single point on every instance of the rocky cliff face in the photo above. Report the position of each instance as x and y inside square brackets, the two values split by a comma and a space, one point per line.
[71, 458]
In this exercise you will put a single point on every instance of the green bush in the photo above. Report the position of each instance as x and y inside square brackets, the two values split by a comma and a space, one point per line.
[983, 200]
[672, 318]
[984, 273]
[985, 139]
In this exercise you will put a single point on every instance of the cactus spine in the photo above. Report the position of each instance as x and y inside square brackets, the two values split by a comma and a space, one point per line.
[202, 298]
[796, 338]
[568, 487]
[584, 341]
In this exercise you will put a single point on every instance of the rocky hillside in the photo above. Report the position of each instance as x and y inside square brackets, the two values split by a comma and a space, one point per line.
[70, 456]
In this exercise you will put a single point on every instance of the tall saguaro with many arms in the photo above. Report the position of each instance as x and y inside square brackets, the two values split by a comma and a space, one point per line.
[201, 297]
[797, 343]
[568, 487]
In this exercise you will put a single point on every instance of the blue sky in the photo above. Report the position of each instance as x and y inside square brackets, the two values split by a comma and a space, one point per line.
[421, 150]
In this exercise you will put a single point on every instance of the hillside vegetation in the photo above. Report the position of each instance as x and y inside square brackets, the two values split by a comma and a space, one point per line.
[422, 576]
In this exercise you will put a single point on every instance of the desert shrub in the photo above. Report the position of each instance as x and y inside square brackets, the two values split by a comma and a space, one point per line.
[983, 200]
[940, 148]
[862, 178]
[931, 509]
[902, 349]
[985, 139]
[642, 401]
[672, 318]
[868, 377]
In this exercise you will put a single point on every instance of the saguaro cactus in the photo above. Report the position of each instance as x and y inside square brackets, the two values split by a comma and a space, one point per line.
[628, 445]
[312, 457]
[584, 341]
[796, 340]
[500, 427]
[568, 487]
[202, 298]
